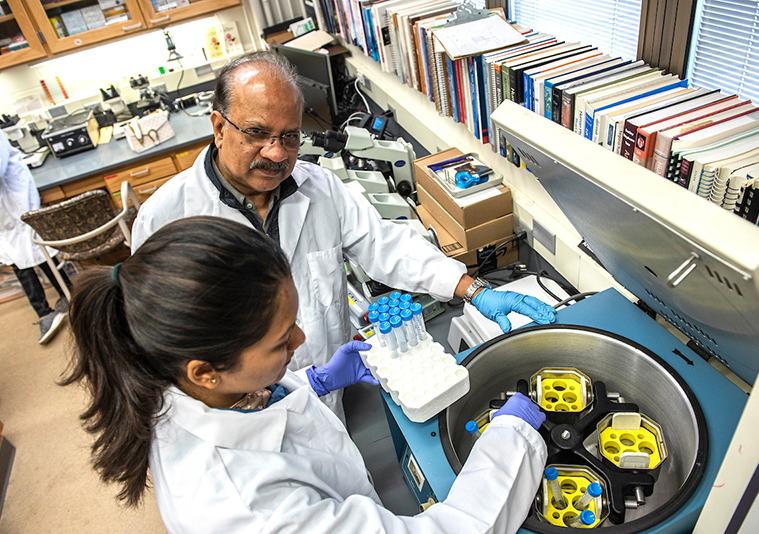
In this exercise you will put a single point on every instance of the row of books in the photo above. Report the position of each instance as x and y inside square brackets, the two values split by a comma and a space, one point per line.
[704, 140]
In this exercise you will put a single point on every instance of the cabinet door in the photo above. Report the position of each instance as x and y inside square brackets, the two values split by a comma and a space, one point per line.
[163, 12]
[18, 38]
[71, 24]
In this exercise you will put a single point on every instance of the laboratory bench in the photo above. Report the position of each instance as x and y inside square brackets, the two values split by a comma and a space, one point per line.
[110, 164]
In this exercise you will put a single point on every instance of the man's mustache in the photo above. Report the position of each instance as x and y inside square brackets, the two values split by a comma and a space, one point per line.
[268, 165]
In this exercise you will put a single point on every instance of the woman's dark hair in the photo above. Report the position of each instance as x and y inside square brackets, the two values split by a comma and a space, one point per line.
[199, 288]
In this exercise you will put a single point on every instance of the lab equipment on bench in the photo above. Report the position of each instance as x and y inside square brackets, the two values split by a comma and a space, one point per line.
[464, 175]
[25, 134]
[72, 133]
[667, 248]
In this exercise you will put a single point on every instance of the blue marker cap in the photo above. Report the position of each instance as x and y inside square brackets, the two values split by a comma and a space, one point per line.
[394, 303]
[373, 316]
[404, 305]
[395, 311]
[382, 300]
[416, 308]
[384, 317]
[471, 427]
[395, 321]
[587, 517]
[551, 473]
[373, 307]
[395, 295]
[595, 489]
[384, 308]
[406, 297]
[406, 315]
[385, 327]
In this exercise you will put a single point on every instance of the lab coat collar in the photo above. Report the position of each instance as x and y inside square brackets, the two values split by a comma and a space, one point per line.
[235, 429]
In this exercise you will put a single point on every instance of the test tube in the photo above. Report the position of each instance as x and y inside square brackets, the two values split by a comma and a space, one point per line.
[373, 307]
[400, 335]
[395, 295]
[385, 333]
[394, 303]
[585, 519]
[395, 311]
[408, 326]
[384, 308]
[406, 298]
[594, 490]
[552, 477]
[404, 305]
[382, 301]
[374, 319]
[421, 330]
[384, 317]
[473, 429]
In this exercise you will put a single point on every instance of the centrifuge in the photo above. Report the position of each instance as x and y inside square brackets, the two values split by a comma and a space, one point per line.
[629, 383]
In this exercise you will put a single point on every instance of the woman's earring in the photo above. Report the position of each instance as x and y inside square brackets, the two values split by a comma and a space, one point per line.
[213, 380]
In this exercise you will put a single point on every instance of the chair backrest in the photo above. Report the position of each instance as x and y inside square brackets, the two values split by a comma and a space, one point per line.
[72, 218]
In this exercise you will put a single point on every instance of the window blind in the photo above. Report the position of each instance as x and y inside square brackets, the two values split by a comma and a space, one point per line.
[725, 50]
[611, 25]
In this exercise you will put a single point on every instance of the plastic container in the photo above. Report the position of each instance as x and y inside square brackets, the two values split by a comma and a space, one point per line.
[399, 333]
[586, 518]
[472, 429]
[382, 301]
[372, 307]
[552, 477]
[408, 327]
[395, 295]
[373, 317]
[384, 317]
[386, 335]
[418, 320]
[594, 491]
[384, 308]
[404, 305]
[395, 311]
[406, 298]
[394, 303]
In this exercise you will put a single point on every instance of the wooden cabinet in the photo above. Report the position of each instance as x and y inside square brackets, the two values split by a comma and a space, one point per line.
[71, 24]
[144, 178]
[159, 13]
[19, 42]
[186, 158]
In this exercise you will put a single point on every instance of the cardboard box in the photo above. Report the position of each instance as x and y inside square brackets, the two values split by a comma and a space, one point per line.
[470, 238]
[469, 211]
[471, 258]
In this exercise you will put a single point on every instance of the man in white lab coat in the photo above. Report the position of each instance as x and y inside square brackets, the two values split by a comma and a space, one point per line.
[18, 194]
[250, 174]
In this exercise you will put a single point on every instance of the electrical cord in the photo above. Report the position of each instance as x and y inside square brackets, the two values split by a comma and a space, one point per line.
[539, 280]
[352, 117]
[517, 237]
[576, 297]
[355, 85]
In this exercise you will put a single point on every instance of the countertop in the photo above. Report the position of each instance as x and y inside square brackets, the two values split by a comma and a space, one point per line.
[188, 131]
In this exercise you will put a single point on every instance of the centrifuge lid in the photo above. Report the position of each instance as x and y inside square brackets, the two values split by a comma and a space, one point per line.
[694, 263]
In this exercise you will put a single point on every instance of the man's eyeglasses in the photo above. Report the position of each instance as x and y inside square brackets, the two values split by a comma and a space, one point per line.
[258, 137]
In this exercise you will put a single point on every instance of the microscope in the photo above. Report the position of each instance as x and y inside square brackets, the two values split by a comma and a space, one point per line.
[24, 134]
[150, 98]
[381, 170]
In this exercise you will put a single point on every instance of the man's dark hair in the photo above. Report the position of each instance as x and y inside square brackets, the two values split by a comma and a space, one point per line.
[275, 62]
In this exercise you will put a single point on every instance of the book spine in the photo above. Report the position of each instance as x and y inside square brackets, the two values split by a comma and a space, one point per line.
[473, 97]
[547, 101]
[589, 125]
[685, 172]
[628, 140]
[498, 83]
[566, 110]
[661, 154]
[557, 104]
[514, 79]
[451, 70]
[481, 93]
[460, 90]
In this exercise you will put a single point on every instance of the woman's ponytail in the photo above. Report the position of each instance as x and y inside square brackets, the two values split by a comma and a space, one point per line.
[125, 395]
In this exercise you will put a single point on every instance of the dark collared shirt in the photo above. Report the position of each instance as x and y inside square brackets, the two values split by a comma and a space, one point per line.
[231, 197]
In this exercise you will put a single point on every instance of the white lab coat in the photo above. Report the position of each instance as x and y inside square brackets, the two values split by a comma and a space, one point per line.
[292, 468]
[318, 223]
[18, 194]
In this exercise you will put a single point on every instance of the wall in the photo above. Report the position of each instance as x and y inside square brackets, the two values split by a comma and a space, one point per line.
[83, 72]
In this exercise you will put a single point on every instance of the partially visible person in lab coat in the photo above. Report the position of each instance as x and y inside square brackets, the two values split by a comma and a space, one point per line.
[185, 348]
[18, 194]
[250, 173]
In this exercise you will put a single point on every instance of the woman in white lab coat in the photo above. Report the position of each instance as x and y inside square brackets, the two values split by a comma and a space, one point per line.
[185, 348]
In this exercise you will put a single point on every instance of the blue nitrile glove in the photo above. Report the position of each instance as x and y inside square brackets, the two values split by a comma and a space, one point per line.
[345, 368]
[496, 305]
[520, 406]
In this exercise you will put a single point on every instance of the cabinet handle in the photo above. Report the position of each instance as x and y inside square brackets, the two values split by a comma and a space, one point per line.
[165, 18]
[148, 190]
[141, 172]
[131, 27]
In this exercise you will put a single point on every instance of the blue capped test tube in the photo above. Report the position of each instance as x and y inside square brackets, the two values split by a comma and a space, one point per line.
[594, 491]
[395, 295]
[404, 305]
[552, 478]
[406, 298]
[585, 519]
[395, 311]
[418, 320]
[394, 303]
[373, 317]
[399, 333]
[386, 334]
[408, 326]
[384, 317]
[383, 308]
[373, 307]
[382, 301]
[472, 428]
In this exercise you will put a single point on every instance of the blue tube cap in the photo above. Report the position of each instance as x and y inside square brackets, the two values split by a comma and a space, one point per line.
[383, 317]
[406, 315]
[395, 311]
[406, 297]
[595, 489]
[373, 316]
[394, 303]
[404, 305]
[373, 307]
[384, 308]
[416, 308]
[395, 295]
[385, 327]
[587, 517]
[395, 321]
[471, 427]
[551, 473]
[382, 300]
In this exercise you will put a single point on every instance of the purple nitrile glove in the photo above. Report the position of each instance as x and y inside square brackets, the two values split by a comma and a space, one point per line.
[520, 406]
[345, 368]
[496, 305]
